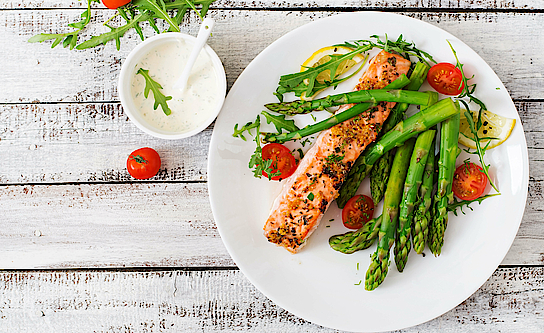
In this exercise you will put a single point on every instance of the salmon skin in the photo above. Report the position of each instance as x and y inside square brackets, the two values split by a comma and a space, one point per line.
[307, 193]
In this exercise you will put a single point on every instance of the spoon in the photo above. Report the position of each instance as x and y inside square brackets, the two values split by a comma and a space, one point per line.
[203, 34]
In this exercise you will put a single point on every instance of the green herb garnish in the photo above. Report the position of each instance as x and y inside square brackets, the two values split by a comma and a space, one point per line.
[154, 86]
[280, 122]
[460, 203]
[306, 81]
[467, 92]
[256, 162]
[239, 133]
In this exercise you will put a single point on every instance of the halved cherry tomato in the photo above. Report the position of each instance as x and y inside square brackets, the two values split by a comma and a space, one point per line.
[469, 181]
[143, 163]
[114, 4]
[282, 160]
[446, 79]
[357, 211]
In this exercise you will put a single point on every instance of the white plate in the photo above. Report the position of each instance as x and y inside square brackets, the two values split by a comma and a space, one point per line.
[319, 284]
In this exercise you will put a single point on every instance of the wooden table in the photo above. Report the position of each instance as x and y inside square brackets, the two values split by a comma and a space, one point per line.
[86, 248]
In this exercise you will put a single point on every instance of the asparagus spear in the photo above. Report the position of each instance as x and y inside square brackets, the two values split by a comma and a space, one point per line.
[409, 197]
[361, 239]
[319, 126]
[422, 215]
[380, 259]
[379, 174]
[380, 171]
[376, 95]
[449, 150]
[330, 122]
[404, 130]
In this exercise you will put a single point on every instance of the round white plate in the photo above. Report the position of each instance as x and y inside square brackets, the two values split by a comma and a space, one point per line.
[319, 284]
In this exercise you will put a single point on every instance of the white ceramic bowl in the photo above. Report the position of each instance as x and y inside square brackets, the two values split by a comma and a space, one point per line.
[128, 70]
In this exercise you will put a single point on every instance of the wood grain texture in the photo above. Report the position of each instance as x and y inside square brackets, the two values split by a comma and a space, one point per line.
[91, 75]
[109, 225]
[378, 4]
[139, 225]
[224, 301]
[48, 143]
[66, 200]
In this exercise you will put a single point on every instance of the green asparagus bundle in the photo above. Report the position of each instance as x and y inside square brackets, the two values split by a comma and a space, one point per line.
[361, 239]
[404, 130]
[380, 259]
[409, 197]
[422, 215]
[376, 95]
[449, 150]
[379, 173]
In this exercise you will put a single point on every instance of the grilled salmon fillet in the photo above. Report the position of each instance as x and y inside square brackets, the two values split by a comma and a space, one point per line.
[307, 194]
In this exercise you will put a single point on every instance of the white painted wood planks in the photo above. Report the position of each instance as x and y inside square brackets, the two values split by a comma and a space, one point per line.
[224, 301]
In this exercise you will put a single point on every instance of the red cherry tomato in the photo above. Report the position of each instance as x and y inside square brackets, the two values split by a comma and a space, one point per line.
[446, 79]
[282, 160]
[357, 211]
[469, 181]
[114, 4]
[143, 163]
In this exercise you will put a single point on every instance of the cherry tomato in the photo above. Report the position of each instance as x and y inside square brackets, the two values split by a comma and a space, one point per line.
[114, 4]
[283, 160]
[357, 211]
[446, 79]
[143, 163]
[469, 181]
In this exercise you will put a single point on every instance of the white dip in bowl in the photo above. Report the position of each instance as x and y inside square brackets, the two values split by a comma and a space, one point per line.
[164, 57]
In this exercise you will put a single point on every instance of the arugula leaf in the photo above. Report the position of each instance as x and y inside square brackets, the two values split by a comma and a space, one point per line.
[305, 82]
[307, 79]
[467, 91]
[159, 8]
[238, 133]
[256, 162]
[460, 203]
[139, 10]
[403, 48]
[154, 86]
[68, 38]
[115, 33]
[280, 122]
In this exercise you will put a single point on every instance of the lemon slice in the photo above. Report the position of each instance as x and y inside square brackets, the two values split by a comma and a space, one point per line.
[493, 126]
[323, 55]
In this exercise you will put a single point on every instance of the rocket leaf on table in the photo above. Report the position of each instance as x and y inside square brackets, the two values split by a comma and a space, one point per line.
[67, 38]
[158, 7]
[154, 86]
[133, 13]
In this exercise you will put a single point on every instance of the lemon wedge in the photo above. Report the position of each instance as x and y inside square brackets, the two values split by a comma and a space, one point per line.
[493, 126]
[322, 56]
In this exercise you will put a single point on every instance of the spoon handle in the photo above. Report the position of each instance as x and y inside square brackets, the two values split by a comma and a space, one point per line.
[203, 34]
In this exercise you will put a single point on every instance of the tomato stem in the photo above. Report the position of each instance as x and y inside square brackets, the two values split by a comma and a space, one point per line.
[138, 159]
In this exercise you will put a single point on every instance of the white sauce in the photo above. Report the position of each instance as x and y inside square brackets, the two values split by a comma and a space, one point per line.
[191, 108]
